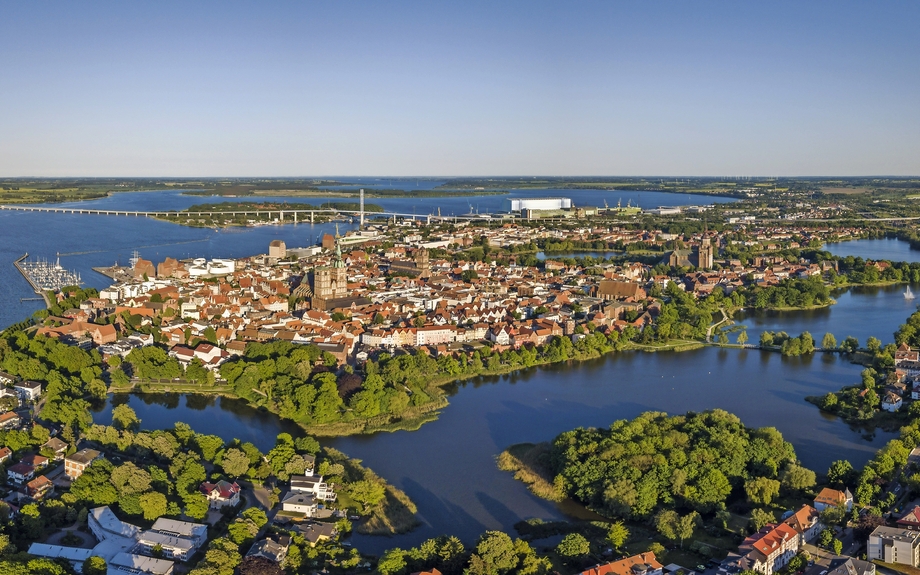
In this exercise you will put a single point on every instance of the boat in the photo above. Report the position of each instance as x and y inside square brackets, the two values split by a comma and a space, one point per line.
[908, 294]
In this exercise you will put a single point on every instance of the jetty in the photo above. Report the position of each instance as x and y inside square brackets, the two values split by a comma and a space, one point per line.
[44, 277]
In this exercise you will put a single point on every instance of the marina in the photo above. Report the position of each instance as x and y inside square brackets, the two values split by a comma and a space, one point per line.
[44, 276]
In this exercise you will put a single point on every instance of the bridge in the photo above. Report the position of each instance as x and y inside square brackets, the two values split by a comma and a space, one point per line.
[296, 215]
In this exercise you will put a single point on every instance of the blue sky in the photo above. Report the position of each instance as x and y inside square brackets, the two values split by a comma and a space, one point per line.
[459, 88]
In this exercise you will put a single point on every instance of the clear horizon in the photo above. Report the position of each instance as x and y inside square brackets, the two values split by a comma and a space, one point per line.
[784, 89]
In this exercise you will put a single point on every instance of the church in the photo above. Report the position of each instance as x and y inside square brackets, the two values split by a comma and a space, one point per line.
[700, 256]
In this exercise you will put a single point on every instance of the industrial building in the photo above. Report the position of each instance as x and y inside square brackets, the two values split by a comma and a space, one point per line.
[521, 204]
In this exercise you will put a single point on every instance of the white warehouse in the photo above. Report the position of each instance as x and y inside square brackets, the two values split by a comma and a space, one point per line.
[520, 204]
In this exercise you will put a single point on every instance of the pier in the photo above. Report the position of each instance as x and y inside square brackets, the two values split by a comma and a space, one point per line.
[35, 287]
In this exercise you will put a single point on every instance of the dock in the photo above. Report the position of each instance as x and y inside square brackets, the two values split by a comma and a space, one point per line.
[35, 286]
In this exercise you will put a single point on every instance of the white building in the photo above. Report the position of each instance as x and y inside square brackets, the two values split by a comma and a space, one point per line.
[894, 545]
[314, 485]
[299, 502]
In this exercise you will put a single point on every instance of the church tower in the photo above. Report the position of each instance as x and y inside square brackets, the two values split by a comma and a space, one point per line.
[422, 264]
[704, 257]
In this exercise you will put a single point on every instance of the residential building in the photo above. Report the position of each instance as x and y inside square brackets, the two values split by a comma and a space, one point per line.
[894, 545]
[313, 484]
[55, 446]
[19, 473]
[76, 463]
[221, 494]
[299, 502]
[105, 525]
[36, 461]
[39, 487]
[911, 519]
[273, 548]
[833, 498]
[9, 420]
[28, 390]
[641, 564]
[853, 567]
[315, 532]
[5, 454]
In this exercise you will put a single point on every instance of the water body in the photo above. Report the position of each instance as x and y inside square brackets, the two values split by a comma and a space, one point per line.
[861, 312]
[876, 249]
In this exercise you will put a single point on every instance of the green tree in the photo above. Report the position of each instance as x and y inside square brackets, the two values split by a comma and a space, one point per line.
[676, 527]
[392, 562]
[826, 538]
[95, 565]
[759, 518]
[617, 534]
[829, 341]
[873, 344]
[123, 417]
[153, 504]
[837, 546]
[235, 463]
[796, 477]
[196, 505]
[496, 550]
[841, 473]
[761, 490]
[573, 545]
[367, 493]
[742, 337]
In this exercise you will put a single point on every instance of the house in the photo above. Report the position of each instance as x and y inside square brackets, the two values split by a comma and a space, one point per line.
[434, 571]
[76, 463]
[806, 522]
[832, 498]
[274, 548]
[5, 454]
[20, 473]
[852, 567]
[55, 446]
[892, 402]
[894, 545]
[911, 519]
[28, 390]
[221, 494]
[6, 379]
[315, 532]
[35, 460]
[641, 564]
[39, 487]
[312, 484]
[9, 420]
[297, 502]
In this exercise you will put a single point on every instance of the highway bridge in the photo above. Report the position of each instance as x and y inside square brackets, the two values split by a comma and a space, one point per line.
[292, 215]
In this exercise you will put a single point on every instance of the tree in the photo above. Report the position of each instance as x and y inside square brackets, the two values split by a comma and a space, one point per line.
[235, 463]
[94, 565]
[573, 545]
[123, 417]
[367, 493]
[196, 505]
[256, 515]
[617, 534]
[826, 538]
[496, 550]
[675, 527]
[841, 473]
[873, 344]
[761, 490]
[759, 518]
[153, 504]
[392, 562]
[656, 549]
[837, 546]
[829, 341]
[796, 477]
[742, 337]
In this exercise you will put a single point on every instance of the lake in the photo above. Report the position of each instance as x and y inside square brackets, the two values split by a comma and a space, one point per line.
[876, 249]
[447, 467]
